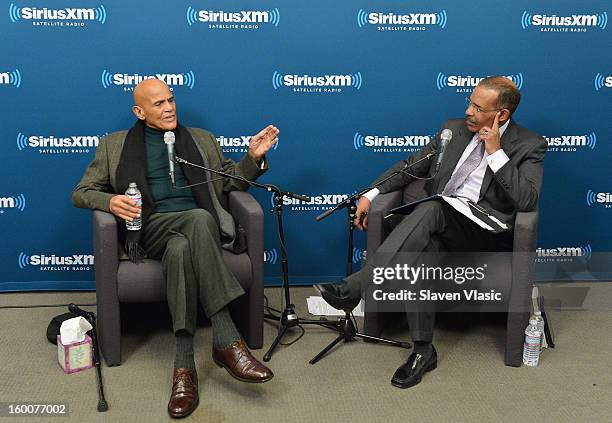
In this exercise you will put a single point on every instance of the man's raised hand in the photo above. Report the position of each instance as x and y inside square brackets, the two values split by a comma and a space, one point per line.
[263, 141]
[490, 136]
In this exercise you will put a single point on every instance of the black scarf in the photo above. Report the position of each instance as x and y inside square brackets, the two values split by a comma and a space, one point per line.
[132, 168]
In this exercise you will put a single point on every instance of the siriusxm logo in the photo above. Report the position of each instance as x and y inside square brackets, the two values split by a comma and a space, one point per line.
[55, 263]
[319, 84]
[57, 17]
[572, 142]
[563, 254]
[238, 144]
[15, 202]
[358, 255]
[464, 84]
[51, 144]
[11, 78]
[244, 19]
[128, 81]
[602, 81]
[317, 202]
[467, 83]
[270, 256]
[387, 144]
[570, 23]
[401, 22]
[604, 198]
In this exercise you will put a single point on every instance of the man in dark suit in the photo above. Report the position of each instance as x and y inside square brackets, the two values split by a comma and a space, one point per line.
[491, 161]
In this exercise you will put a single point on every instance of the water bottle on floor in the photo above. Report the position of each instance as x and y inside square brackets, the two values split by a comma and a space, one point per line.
[134, 193]
[533, 341]
[537, 316]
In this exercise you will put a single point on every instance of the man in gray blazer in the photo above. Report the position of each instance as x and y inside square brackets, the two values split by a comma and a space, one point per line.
[184, 228]
[491, 161]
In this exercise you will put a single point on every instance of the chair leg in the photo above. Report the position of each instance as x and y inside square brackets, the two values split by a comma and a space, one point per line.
[109, 331]
[515, 335]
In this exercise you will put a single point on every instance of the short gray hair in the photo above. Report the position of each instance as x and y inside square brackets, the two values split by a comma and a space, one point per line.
[509, 96]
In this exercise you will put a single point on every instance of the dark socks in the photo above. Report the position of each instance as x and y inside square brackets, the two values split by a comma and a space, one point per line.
[224, 330]
[423, 348]
[184, 350]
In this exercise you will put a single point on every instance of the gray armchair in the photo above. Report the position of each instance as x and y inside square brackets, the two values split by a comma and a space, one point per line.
[519, 268]
[121, 281]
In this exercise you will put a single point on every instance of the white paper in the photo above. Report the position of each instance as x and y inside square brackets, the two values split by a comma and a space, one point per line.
[73, 330]
[461, 206]
[318, 307]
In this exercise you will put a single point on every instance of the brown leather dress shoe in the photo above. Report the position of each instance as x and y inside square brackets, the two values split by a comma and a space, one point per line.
[240, 363]
[184, 398]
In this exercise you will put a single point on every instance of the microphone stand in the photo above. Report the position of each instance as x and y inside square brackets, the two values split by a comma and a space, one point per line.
[345, 327]
[288, 317]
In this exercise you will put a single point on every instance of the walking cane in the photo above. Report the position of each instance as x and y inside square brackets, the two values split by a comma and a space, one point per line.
[91, 318]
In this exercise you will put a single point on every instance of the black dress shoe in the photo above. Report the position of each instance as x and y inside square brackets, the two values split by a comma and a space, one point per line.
[332, 296]
[412, 372]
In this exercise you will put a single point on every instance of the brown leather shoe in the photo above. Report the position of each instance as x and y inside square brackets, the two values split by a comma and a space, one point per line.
[240, 363]
[184, 398]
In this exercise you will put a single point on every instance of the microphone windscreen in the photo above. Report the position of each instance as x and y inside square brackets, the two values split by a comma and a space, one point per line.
[447, 134]
[169, 137]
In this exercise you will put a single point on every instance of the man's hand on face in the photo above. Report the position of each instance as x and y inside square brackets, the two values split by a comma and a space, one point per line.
[124, 207]
[361, 217]
[490, 136]
[262, 142]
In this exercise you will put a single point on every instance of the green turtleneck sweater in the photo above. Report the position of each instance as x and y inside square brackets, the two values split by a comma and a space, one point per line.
[166, 198]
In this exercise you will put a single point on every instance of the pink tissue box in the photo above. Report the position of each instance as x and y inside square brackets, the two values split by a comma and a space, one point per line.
[76, 356]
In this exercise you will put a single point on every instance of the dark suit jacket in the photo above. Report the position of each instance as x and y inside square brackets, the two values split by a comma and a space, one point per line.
[514, 187]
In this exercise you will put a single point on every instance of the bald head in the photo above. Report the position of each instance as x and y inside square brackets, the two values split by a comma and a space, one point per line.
[154, 104]
[147, 88]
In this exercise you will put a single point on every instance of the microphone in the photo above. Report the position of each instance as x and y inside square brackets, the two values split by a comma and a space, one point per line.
[445, 138]
[169, 139]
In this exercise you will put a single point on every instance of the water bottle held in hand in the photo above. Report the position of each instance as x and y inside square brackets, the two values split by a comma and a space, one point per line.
[134, 194]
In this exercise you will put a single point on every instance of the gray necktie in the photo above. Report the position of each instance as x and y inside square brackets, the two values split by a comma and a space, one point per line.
[468, 166]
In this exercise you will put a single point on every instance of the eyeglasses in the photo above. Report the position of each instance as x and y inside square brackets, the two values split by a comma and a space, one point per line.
[479, 109]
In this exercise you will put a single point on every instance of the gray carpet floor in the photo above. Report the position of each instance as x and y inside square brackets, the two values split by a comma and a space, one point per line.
[573, 382]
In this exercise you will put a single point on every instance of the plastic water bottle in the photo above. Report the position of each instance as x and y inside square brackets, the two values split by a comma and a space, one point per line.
[134, 194]
[531, 349]
[537, 316]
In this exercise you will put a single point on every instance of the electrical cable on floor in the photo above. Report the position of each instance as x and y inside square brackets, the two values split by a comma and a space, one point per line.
[272, 309]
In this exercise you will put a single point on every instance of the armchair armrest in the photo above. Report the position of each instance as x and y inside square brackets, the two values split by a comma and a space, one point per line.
[107, 299]
[105, 247]
[523, 265]
[377, 226]
[523, 261]
[526, 231]
[249, 214]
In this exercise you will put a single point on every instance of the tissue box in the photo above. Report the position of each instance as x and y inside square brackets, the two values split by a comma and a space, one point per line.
[76, 356]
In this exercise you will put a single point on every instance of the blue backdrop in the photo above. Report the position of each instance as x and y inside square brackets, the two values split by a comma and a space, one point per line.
[354, 86]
